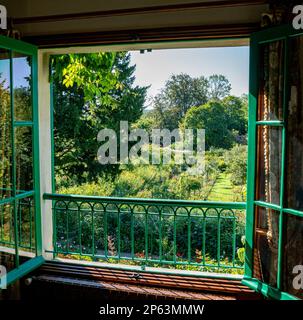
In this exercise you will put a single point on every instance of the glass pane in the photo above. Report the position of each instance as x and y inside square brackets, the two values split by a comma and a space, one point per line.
[26, 227]
[22, 87]
[266, 245]
[294, 169]
[7, 239]
[269, 155]
[5, 127]
[24, 159]
[271, 81]
[293, 255]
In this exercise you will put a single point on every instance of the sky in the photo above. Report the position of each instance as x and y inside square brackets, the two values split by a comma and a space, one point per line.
[21, 71]
[154, 68]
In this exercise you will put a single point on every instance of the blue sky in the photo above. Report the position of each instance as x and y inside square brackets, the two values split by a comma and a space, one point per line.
[21, 71]
[156, 67]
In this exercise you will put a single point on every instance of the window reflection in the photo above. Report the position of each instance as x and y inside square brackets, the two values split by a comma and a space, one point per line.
[22, 87]
[5, 127]
[24, 159]
[26, 232]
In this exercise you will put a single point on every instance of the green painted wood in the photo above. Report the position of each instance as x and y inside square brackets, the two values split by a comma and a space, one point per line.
[15, 46]
[24, 269]
[251, 167]
[266, 36]
[267, 291]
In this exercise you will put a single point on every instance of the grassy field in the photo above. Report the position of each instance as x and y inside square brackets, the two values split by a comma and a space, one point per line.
[223, 190]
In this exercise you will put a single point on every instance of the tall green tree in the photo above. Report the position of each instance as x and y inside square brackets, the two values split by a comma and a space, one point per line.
[213, 118]
[98, 93]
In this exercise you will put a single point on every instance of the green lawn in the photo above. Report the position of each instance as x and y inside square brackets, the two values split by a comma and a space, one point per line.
[223, 190]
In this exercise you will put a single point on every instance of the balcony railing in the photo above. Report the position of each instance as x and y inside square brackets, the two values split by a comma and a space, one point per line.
[187, 235]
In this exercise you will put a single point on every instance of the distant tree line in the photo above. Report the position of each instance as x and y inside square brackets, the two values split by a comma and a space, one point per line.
[199, 103]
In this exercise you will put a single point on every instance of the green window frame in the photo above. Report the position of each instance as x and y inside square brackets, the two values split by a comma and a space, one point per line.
[285, 34]
[18, 47]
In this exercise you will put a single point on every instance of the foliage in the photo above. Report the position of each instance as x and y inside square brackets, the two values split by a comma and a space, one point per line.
[225, 122]
[241, 251]
[211, 117]
[5, 127]
[106, 188]
[94, 74]
[236, 162]
[236, 114]
[218, 87]
[98, 93]
[183, 92]
[167, 182]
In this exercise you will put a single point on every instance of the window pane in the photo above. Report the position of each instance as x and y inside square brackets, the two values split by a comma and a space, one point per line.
[24, 159]
[269, 155]
[266, 246]
[271, 81]
[293, 254]
[5, 127]
[294, 173]
[7, 239]
[26, 230]
[22, 87]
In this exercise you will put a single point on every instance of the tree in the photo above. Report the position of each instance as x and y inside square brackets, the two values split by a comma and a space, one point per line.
[180, 93]
[183, 92]
[236, 110]
[211, 117]
[94, 74]
[98, 94]
[236, 162]
[218, 87]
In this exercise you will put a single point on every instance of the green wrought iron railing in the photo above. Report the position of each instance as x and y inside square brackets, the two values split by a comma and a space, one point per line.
[189, 235]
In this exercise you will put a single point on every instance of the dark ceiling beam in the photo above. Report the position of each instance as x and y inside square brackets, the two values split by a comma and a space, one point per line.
[144, 35]
[143, 10]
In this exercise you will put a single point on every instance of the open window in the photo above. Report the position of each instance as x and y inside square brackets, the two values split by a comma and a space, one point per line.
[20, 232]
[274, 229]
[275, 169]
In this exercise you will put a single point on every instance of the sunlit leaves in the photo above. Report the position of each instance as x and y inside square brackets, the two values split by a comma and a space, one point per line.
[95, 74]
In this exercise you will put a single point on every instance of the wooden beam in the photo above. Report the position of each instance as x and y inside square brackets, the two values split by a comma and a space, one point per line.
[144, 35]
[137, 11]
